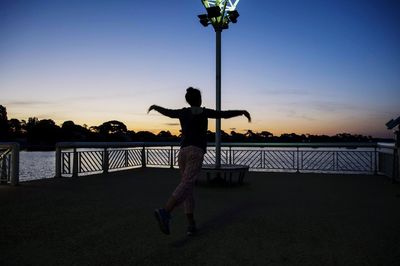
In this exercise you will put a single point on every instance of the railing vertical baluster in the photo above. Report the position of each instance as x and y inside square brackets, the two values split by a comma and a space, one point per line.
[75, 163]
[105, 161]
[67, 157]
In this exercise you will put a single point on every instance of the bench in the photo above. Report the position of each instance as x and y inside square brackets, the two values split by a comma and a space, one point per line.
[226, 172]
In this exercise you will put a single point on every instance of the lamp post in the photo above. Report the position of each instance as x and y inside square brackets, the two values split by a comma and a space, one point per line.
[219, 14]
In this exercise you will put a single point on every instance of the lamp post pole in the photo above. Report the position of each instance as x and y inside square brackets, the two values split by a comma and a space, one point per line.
[219, 14]
[218, 99]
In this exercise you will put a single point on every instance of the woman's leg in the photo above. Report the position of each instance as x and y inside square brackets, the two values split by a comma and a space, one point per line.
[171, 202]
[191, 170]
[170, 205]
[192, 161]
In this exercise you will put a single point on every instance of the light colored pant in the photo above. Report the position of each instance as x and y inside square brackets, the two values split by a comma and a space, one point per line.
[190, 160]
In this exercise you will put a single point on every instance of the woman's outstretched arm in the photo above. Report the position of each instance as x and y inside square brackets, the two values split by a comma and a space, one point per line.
[227, 114]
[164, 111]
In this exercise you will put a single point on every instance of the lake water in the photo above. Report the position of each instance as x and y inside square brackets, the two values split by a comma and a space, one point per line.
[36, 165]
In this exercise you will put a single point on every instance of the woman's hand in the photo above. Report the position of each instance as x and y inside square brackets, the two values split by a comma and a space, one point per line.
[246, 114]
[153, 107]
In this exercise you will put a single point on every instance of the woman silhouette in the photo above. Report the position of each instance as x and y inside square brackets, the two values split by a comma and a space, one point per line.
[194, 123]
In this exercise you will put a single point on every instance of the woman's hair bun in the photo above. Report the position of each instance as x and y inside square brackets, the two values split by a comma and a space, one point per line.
[193, 96]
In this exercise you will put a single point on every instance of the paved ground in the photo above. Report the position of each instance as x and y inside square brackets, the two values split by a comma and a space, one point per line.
[274, 219]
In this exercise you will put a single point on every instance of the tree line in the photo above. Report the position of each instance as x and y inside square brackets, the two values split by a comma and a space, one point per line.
[35, 134]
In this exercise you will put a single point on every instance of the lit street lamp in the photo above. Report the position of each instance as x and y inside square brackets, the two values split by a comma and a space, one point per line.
[219, 14]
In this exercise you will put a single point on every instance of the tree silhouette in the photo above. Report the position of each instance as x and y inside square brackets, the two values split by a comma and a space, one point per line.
[225, 137]
[237, 137]
[72, 132]
[113, 131]
[112, 127]
[253, 137]
[145, 136]
[266, 134]
[43, 134]
[15, 127]
[210, 136]
[292, 137]
[166, 136]
[4, 129]
[32, 121]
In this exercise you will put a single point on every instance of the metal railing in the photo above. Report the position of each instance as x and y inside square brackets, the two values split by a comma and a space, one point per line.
[9, 163]
[80, 158]
[386, 161]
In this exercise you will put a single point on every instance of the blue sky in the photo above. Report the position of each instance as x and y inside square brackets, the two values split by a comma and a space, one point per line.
[319, 67]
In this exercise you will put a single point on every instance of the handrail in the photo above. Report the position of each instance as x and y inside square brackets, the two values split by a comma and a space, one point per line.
[302, 145]
[14, 170]
[225, 144]
[111, 144]
[386, 145]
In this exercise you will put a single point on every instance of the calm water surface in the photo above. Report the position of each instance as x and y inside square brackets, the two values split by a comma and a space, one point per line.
[36, 165]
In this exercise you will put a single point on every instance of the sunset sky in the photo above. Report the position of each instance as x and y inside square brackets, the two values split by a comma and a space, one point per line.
[318, 67]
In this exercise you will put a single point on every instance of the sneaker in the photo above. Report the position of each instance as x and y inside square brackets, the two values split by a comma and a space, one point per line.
[191, 230]
[163, 217]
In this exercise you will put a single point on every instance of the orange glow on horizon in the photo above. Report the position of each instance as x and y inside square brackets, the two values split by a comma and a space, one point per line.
[156, 124]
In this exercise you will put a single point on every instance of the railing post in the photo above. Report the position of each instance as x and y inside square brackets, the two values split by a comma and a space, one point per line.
[14, 175]
[4, 167]
[375, 161]
[75, 163]
[397, 151]
[233, 157]
[105, 161]
[297, 160]
[126, 158]
[262, 165]
[172, 157]
[396, 166]
[335, 165]
[59, 162]
[144, 156]
[230, 154]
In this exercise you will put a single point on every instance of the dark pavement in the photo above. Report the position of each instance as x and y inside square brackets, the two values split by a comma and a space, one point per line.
[273, 219]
